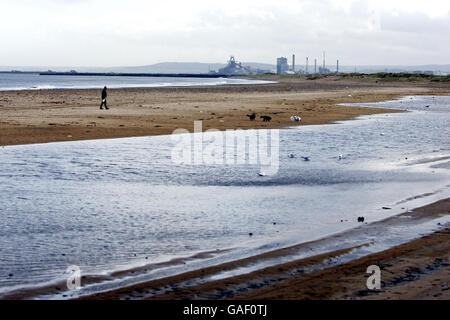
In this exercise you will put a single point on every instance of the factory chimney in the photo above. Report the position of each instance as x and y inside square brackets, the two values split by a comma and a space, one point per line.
[337, 66]
[315, 66]
[324, 60]
[293, 63]
[307, 65]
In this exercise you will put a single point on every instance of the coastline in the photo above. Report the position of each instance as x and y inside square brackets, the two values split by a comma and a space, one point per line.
[42, 116]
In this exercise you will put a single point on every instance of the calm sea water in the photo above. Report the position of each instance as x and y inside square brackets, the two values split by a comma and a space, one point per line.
[108, 205]
[10, 81]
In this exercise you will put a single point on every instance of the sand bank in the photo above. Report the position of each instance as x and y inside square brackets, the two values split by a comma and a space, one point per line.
[64, 115]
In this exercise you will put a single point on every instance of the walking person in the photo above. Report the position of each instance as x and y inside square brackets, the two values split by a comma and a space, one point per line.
[104, 95]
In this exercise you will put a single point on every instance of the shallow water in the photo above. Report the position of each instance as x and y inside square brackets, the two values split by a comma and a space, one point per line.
[108, 205]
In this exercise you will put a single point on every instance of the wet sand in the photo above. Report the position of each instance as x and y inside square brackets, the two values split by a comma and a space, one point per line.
[415, 270]
[65, 115]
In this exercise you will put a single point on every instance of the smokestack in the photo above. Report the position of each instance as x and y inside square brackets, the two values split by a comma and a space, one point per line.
[315, 66]
[337, 66]
[307, 65]
[293, 63]
[324, 60]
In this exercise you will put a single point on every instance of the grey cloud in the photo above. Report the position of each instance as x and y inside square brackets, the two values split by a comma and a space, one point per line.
[358, 35]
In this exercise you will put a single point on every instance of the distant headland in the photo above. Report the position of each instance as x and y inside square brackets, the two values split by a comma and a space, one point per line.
[113, 74]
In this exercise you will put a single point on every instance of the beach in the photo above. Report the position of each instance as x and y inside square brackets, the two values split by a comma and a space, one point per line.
[213, 159]
[39, 116]
[414, 265]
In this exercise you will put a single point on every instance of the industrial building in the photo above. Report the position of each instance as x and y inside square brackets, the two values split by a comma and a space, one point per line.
[234, 67]
[282, 65]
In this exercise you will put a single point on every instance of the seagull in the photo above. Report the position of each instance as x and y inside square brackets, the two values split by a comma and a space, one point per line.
[296, 119]
[262, 174]
[381, 133]
[341, 157]
[306, 158]
[291, 155]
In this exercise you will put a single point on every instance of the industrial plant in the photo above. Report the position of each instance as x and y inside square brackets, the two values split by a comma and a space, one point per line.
[310, 66]
[284, 68]
[235, 68]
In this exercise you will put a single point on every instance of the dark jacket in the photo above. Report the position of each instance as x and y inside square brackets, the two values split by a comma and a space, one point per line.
[104, 94]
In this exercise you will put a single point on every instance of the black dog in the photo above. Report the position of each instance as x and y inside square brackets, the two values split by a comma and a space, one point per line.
[266, 118]
[252, 116]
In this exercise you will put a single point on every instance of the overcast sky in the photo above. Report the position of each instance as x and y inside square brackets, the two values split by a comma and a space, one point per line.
[133, 32]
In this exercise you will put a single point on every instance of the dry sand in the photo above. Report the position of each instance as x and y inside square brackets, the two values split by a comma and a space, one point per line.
[64, 115]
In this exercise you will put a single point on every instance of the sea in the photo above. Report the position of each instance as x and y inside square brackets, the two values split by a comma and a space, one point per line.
[35, 81]
[114, 206]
